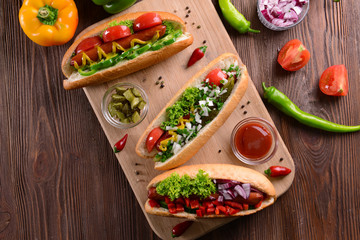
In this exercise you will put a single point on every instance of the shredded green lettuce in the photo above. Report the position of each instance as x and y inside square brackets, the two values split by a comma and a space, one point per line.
[170, 28]
[182, 107]
[176, 186]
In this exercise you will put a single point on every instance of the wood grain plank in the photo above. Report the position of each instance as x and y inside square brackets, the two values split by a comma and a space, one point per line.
[89, 196]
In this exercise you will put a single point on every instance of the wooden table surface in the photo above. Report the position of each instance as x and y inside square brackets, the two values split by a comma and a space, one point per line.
[59, 178]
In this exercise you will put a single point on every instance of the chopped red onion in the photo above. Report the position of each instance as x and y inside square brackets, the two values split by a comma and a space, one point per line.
[225, 186]
[220, 199]
[247, 189]
[282, 13]
[227, 194]
[240, 191]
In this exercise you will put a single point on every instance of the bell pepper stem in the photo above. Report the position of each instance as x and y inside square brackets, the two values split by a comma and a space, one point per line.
[47, 15]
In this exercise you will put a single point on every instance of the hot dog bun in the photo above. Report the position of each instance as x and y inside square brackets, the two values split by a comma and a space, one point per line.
[218, 171]
[75, 80]
[191, 148]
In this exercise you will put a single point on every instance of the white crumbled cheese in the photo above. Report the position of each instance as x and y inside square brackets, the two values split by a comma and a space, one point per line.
[212, 93]
[207, 80]
[209, 102]
[217, 91]
[197, 118]
[223, 92]
[188, 125]
[205, 111]
[170, 128]
[176, 148]
[224, 81]
[236, 63]
[160, 153]
[179, 137]
[202, 103]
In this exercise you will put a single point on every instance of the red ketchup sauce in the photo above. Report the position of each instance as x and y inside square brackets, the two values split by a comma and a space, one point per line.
[253, 140]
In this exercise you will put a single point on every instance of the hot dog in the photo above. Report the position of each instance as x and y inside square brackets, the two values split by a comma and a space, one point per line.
[195, 113]
[123, 45]
[217, 190]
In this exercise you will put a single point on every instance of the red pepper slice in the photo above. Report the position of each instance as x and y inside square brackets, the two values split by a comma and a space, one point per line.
[153, 203]
[194, 204]
[210, 210]
[277, 171]
[203, 209]
[258, 204]
[172, 208]
[197, 55]
[168, 200]
[187, 202]
[208, 204]
[179, 207]
[246, 206]
[217, 203]
[234, 205]
[221, 209]
[120, 144]
[180, 200]
[180, 228]
[199, 213]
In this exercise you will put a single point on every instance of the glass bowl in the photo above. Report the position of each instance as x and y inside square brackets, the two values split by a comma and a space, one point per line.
[270, 130]
[107, 98]
[273, 27]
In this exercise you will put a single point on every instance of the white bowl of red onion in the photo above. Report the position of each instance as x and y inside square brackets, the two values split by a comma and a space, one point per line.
[280, 15]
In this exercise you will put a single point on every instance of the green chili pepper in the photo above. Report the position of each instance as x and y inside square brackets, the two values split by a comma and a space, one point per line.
[284, 104]
[114, 6]
[235, 18]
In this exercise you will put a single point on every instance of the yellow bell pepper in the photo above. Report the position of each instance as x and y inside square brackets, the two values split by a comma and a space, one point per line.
[49, 22]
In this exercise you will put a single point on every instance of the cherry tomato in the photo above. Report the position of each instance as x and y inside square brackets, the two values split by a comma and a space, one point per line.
[147, 20]
[215, 76]
[293, 55]
[334, 81]
[163, 137]
[153, 137]
[116, 32]
[88, 43]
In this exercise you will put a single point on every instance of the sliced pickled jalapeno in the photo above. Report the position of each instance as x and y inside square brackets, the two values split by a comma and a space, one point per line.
[126, 104]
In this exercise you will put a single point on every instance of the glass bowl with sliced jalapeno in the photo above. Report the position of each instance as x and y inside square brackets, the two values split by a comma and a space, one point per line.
[125, 105]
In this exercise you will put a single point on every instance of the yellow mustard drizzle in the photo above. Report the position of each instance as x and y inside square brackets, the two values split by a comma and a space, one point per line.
[163, 143]
[156, 36]
[85, 58]
[136, 40]
[182, 122]
[116, 46]
[76, 65]
[101, 53]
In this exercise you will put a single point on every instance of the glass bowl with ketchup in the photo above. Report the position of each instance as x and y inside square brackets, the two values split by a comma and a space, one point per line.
[254, 141]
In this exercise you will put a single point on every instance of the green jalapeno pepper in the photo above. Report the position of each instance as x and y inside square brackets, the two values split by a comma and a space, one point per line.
[114, 6]
[235, 18]
[284, 104]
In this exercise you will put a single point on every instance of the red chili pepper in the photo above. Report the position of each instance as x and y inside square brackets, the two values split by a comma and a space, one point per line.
[179, 229]
[196, 55]
[277, 171]
[120, 144]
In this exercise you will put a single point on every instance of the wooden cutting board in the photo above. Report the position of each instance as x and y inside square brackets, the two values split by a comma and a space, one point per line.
[203, 22]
